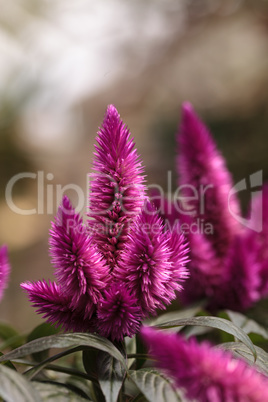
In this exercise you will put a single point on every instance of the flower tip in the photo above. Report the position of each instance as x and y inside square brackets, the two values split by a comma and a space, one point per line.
[66, 203]
[187, 109]
[112, 112]
[26, 286]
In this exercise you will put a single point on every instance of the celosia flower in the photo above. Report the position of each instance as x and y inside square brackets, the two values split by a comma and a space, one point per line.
[80, 268]
[4, 270]
[119, 312]
[152, 263]
[204, 373]
[97, 288]
[117, 189]
[202, 168]
[229, 264]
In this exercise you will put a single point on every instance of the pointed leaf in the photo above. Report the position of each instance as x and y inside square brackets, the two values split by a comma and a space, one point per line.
[176, 315]
[40, 331]
[8, 363]
[140, 350]
[111, 376]
[14, 387]
[214, 322]
[154, 386]
[58, 393]
[66, 341]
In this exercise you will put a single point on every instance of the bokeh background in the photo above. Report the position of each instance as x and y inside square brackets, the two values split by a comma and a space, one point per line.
[63, 62]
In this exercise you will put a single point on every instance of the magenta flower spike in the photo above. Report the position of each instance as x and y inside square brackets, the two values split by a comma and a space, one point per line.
[202, 167]
[152, 264]
[80, 268]
[119, 312]
[4, 270]
[109, 273]
[204, 373]
[258, 240]
[50, 301]
[117, 189]
[240, 290]
[203, 172]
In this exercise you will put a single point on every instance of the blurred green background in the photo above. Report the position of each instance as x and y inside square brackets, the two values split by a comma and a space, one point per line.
[63, 62]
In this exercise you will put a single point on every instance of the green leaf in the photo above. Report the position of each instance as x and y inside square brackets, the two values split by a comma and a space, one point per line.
[90, 361]
[66, 341]
[175, 315]
[8, 363]
[154, 386]
[240, 350]
[110, 375]
[58, 393]
[14, 387]
[40, 331]
[11, 338]
[248, 325]
[140, 350]
[214, 322]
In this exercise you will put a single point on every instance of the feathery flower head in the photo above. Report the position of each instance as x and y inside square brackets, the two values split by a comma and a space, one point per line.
[50, 301]
[110, 273]
[80, 268]
[150, 267]
[202, 170]
[229, 263]
[119, 313]
[205, 374]
[117, 189]
[4, 270]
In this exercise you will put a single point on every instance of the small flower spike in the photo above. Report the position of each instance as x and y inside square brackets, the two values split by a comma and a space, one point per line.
[117, 186]
[150, 267]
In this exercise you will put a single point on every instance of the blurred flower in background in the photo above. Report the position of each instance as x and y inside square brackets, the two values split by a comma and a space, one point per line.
[63, 62]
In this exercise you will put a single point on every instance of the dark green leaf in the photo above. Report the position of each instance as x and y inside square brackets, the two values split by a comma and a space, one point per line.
[90, 361]
[175, 315]
[110, 375]
[66, 341]
[6, 331]
[214, 322]
[31, 373]
[140, 350]
[11, 338]
[154, 386]
[14, 387]
[8, 363]
[57, 393]
[40, 331]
